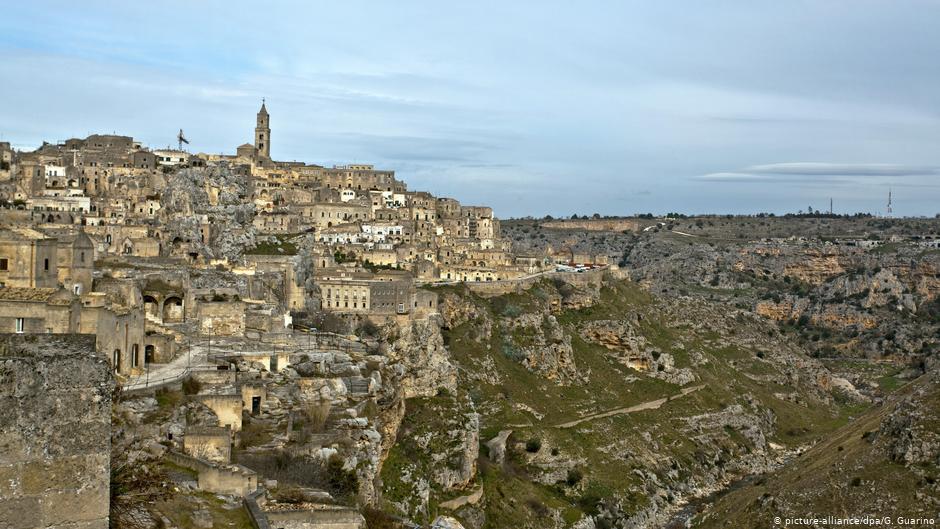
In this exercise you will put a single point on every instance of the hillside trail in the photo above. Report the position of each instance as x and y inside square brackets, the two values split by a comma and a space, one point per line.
[650, 405]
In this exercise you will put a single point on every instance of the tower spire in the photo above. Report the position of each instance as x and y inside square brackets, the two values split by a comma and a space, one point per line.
[263, 132]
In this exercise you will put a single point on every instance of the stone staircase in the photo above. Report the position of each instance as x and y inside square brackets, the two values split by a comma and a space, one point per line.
[358, 386]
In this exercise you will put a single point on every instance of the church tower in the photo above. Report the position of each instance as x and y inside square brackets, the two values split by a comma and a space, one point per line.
[263, 133]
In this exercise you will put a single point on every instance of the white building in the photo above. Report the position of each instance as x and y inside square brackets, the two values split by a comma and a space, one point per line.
[171, 157]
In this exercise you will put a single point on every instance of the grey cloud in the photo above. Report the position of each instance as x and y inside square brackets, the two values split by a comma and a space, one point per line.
[836, 169]
[818, 173]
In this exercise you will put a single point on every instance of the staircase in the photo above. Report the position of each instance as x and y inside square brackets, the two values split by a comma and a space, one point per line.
[357, 386]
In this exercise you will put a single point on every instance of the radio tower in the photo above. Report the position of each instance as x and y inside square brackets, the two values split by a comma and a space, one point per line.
[888, 209]
[180, 139]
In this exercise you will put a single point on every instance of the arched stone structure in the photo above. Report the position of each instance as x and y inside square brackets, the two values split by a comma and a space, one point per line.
[173, 309]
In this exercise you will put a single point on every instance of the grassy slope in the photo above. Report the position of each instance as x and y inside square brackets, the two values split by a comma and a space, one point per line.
[846, 474]
[609, 451]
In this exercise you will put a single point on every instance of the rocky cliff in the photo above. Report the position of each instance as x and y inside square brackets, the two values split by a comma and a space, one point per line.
[613, 413]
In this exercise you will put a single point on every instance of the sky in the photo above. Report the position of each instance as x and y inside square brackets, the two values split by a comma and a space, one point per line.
[531, 107]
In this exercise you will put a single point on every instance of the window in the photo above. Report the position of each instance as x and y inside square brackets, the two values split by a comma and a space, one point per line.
[20, 323]
[45, 264]
[4, 264]
[134, 356]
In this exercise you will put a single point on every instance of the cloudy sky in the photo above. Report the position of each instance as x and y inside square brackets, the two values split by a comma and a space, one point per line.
[534, 108]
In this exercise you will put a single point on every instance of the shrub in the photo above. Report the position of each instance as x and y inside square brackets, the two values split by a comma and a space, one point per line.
[512, 352]
[378, 519]
[290, 495]
[253, 433]
[367, 329]
[310, 420]
[191, 386]
[574, 477]
[533, 445]
[592, 497]
[538, 507]
[325, 321]
[297, 470]
[342, 482]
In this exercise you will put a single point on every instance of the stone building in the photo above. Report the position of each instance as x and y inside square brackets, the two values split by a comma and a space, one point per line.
[27, 258]
[38, 310]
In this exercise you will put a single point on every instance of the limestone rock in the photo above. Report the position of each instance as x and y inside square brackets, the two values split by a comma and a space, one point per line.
[446, 522]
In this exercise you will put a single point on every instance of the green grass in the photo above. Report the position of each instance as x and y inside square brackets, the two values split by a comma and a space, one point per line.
[284, 245]
[612, 448]
[179, 510]
[822, 479]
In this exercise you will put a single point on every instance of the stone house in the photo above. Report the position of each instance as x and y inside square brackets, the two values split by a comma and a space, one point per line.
[27, 259]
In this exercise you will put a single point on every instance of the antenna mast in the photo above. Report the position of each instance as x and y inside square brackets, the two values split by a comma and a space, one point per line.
[888, 210]
[180, 140]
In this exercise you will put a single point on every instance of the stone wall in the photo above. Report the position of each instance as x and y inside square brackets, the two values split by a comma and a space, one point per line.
[489, 289]
[228, 408]
[55, 432]
[325, 518]
[213, 443]
[222, 318]
[233, 480]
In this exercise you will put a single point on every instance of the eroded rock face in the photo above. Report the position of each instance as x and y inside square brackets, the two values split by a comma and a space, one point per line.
[197, 200]
[633, 350]
[457, 309]
[907, 436]
[538, 342]
[55, 432]
[436, 451]
[815, 267]
[619, 336]
[751, 424]
[421, 362]
[446, 522]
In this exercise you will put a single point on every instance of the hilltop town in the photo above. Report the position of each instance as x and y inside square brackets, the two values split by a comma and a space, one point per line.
[103, 233]
[234, 274]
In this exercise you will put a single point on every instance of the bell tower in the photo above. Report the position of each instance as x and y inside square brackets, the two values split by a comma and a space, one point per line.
[263, 132]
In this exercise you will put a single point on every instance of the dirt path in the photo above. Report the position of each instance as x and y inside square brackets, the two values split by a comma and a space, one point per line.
[651, 405]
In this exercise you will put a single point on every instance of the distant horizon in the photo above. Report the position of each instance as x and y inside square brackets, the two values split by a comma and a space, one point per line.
[763, 214]
[536, 216]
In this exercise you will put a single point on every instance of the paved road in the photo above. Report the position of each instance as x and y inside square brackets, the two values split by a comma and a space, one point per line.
[173, 371]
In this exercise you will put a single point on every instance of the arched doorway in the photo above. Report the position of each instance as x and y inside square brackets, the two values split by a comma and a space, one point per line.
[150, 352]
[151, 306]
[173, 310]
